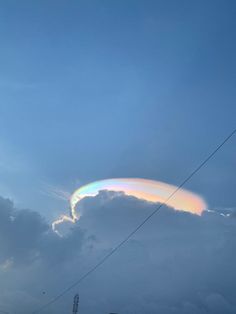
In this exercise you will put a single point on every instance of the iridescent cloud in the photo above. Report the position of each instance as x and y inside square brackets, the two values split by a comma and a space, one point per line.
[143, 189]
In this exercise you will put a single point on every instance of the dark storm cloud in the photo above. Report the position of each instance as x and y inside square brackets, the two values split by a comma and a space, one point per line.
[178, 262]
[25, 237]
[20, 232]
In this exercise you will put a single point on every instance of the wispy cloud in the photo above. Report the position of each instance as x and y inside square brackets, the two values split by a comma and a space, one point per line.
[55, 192]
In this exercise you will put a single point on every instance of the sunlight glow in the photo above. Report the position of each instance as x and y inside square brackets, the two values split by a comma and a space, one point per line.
[143, 189]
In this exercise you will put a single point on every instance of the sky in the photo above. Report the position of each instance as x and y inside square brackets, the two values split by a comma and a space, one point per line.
[92, 90]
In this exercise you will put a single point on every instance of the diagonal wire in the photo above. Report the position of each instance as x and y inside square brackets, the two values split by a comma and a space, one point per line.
[102, 261]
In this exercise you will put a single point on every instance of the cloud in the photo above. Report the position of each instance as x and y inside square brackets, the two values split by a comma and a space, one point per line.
[178, 262]
[143, 189]
[20, 233]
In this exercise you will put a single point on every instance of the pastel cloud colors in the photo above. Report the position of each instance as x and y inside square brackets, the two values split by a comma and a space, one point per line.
[143, 189]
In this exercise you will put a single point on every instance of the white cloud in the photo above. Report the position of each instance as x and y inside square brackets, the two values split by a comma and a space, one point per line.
[177, 263]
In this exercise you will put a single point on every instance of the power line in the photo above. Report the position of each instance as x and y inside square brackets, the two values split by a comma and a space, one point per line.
[137, 228]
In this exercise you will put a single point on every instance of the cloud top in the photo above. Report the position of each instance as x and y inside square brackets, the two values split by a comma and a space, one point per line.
[143, 189]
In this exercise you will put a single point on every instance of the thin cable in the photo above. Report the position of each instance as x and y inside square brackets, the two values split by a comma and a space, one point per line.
[137, 228]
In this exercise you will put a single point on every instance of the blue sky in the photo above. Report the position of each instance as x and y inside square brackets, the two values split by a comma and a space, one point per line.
[99, 89]
[91, 90]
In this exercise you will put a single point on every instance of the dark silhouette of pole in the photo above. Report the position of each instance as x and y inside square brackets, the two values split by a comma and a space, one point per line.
[76, 304]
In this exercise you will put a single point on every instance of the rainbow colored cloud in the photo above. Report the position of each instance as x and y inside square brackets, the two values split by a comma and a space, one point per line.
[143, 189]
